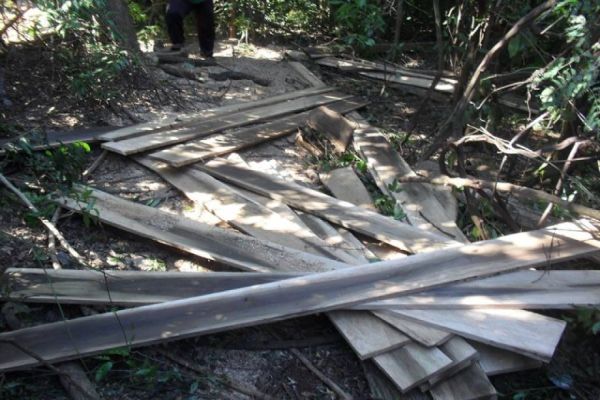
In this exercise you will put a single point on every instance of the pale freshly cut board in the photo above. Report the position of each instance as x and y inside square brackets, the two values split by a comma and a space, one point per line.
[518, 290]
[368, 335]
[295, 297]
[423, 334]
[402, 79]
[469, 384]
[495, 361]
[227, 142]
[127, 288]
[166, 138]
[339, 212]
[206, 241]
[177, 120]
[520, 331]
[418, 201]
[347, 186]
[236, 209]
[412, 364]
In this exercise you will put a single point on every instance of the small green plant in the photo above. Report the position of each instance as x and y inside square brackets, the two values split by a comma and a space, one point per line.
[586, 319]
[359, 21]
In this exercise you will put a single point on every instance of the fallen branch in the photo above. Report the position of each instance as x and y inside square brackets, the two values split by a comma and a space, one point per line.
[49, 225]
[517, 191]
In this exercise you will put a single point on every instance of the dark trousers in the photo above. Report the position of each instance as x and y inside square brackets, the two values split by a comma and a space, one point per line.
[205, 22]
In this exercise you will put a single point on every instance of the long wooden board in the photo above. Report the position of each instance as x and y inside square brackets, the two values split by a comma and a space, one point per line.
[423, 334]
[227, 142]
[226, 246]
[462, 355]
[403, 79]
[347, 186]
[296, 296]
[166, 138]
[178, 120]
[495, 361]
[412, 364]
[520, 331]
[339, 212]
[419, 202]
[469, 384]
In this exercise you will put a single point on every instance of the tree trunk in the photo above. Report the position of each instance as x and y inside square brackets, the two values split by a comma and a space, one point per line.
[121, 23]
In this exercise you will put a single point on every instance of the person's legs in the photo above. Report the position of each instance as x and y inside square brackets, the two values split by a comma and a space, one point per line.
[205, 24]
[176, 11]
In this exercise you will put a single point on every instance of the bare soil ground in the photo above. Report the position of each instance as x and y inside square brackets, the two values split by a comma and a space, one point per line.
[253, 356]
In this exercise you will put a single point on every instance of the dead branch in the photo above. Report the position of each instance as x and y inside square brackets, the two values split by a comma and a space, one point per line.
[520, 192]
[455, 121]
[95, 164]
[52, 241]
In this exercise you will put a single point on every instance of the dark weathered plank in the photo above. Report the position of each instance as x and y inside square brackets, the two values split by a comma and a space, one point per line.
[295, 297]
[162, 139]
[355, 218]
[227, 142]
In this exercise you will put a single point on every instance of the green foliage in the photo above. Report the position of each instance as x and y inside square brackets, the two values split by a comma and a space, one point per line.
[359, 21]
[585, 319]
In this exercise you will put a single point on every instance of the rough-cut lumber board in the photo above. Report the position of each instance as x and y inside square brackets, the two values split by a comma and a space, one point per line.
[469, 384]
[462, 355]
[129, 288]
[172, 121]
[347, 186]
[518, 290]
[418, 201]
[57, 139]
[166, 138]
[495, 361]
[383, 389]
[330, 122]
[403, 79]
[367, 340]
[412, 364]
[206, 241]
[306, 74]
[339, 212]
[520, 331]
[236, 209]
[294, 297]
[220, 144]
[425, 335]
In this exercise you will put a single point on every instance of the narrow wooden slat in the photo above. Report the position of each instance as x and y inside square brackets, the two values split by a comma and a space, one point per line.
[403, 79]
[333, 125]
[520, 331]
[217, 145]
[495, 361]
[178, 120]
[166, 138]
[346, 186]
[296, 296]
[367, 339]
[339, 212]
[462, 355]
[412, 364]
[469, 384]
[206, 241]
[423, 334]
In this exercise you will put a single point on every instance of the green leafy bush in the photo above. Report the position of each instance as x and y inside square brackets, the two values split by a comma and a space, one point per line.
[359, 21]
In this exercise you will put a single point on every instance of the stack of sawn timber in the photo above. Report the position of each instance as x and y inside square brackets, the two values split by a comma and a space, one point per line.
[440, 320]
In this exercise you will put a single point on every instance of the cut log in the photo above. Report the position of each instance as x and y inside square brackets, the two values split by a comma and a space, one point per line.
[293, 297]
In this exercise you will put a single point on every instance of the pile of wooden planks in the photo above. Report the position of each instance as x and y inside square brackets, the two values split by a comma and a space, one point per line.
[438, 316]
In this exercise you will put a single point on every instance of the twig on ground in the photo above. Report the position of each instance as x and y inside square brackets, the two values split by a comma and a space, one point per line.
[52, 241]
[95, 164]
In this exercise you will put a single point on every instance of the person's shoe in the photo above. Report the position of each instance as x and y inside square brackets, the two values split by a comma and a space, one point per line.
[206, 55]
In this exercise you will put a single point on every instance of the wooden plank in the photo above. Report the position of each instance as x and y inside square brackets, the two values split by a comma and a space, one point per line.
[220, 144]
[469, 384]
[403, 79]
[423, 334]
[419, 202]
[518, 290]
[306, 74]
[294, 297]
[383, 389]
[345, 185]
[127, 288]
[226, 246]
[166, 138]
[462, 355]
[520, 331]
[332, 124]
[339, 212]
[178, 120]
[412, 364]
[368, 335]
[236, 209]
[495, 361]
